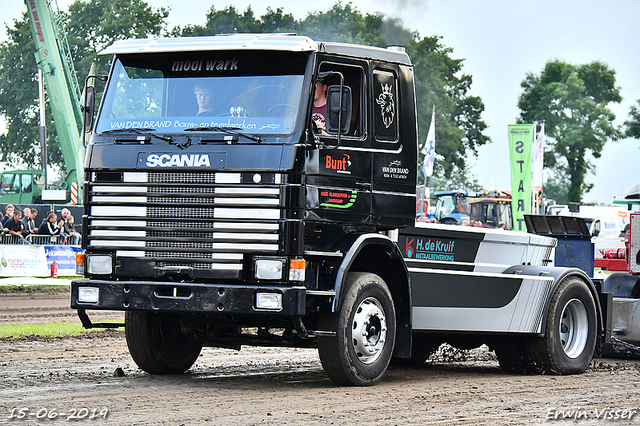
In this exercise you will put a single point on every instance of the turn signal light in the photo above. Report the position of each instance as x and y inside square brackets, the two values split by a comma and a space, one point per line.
[297, 268]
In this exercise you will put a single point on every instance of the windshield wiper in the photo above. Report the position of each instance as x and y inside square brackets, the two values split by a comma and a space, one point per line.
[234, 131]
[140, 131]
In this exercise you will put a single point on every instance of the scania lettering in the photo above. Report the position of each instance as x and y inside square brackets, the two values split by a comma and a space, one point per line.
[266, 230]
[178, 160]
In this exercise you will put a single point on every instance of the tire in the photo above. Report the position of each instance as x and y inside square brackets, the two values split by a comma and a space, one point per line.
[365, 327]
[570, 333]
[156, 342]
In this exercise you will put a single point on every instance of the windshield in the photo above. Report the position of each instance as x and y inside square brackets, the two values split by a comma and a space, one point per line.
[250, 92]
[491, 213]
[447, 204]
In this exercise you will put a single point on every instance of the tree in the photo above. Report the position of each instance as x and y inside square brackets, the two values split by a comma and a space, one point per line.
[573, 103]
[90, 25]
[632, 127]
[458, 124]
[438, 77]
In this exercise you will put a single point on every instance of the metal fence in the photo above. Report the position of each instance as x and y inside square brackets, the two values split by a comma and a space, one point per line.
[42, 240]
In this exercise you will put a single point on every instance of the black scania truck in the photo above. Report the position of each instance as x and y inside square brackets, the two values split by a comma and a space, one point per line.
[218, 212]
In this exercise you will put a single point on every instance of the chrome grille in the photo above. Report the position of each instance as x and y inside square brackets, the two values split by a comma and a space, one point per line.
[204, 221]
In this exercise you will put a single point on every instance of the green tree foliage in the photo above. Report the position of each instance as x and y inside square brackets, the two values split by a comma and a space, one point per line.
[93, 25]
[573, 103]
[19, 97]
[90, 25]
[632, 126]
[438, 77]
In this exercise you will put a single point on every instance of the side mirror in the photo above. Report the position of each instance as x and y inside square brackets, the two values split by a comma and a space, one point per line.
[338, 109]
[89, 105]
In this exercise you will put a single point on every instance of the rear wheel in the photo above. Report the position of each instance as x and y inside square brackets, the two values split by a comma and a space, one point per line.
[157, 344]
[365, 328]
[571, 331]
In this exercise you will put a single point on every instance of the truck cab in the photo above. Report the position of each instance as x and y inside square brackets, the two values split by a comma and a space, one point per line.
[21, 186]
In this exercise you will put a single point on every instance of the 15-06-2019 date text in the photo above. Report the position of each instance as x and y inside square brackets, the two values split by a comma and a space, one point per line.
[43, 413]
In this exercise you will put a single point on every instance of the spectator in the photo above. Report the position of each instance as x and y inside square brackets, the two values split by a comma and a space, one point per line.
[50, 225]
[477, 224]
[30, 223]
[68, 228]
[9, 212]
[26, 215]
[14, 225]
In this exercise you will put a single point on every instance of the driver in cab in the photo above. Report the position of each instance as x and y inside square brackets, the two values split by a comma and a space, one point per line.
[204, 97]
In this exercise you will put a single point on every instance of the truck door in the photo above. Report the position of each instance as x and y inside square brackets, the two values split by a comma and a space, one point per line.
[339, 171]
[394, 143]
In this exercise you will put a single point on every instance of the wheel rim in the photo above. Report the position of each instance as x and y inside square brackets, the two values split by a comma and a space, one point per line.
[574, 328]
[369, 330]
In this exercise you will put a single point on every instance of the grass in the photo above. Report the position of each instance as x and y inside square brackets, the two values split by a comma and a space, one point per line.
[49, 289]
[51, 329]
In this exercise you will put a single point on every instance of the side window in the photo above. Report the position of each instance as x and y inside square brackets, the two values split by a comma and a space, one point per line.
[10, 183]
[385, 106]
[353, 77]
[26, 183]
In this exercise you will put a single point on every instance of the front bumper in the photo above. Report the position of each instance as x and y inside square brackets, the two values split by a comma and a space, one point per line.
[196, 298]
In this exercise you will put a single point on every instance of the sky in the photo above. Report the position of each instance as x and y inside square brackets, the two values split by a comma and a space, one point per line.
[500, 41]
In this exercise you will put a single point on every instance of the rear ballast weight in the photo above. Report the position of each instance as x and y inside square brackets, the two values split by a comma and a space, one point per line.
[296, 225]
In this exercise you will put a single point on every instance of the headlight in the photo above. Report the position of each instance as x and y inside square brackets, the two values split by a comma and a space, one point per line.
[88, 295]
[269, 269]
[270, 301]
[99, 264]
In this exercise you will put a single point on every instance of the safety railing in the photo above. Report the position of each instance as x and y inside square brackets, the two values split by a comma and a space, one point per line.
[38, 239]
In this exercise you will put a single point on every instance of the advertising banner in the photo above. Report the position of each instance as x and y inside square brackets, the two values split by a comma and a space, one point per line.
[520, 144]
[23, 261]
[65, 258]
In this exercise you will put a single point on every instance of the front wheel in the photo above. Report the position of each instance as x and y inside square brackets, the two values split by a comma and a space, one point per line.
[156, 342]
[571, 331]
[365, 327]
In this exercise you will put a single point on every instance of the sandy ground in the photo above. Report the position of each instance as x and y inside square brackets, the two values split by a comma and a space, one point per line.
[41, 307]
[94, 375]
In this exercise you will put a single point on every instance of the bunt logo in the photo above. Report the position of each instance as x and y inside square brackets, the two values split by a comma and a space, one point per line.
[409, 247]
[178, 160]
[340, 164]
[4, 262]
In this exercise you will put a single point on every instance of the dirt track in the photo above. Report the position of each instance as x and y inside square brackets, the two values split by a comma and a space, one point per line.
[39, 307]
[268, 386]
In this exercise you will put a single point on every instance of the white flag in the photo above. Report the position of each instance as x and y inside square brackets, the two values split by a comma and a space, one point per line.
[429, 149]
[537, 158]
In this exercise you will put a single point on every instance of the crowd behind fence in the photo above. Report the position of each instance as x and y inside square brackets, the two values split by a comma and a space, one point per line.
[38, 239]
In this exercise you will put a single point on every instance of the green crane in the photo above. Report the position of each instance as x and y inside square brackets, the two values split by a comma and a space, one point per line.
[54, 60]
